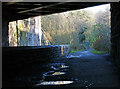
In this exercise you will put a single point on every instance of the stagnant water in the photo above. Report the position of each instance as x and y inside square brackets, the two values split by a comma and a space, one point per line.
[58, 66]
[59, 69]
[54, 83]
[57, 76]
[59, 72]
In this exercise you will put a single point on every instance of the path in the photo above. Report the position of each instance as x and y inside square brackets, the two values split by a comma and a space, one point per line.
[80, 69]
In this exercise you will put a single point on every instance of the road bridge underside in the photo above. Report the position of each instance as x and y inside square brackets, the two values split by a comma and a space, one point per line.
[115, 35]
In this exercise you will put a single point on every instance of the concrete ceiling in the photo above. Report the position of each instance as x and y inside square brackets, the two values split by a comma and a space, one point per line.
[22, 10]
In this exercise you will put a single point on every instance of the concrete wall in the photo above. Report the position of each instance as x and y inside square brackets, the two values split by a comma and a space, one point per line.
[5, 39]
[115, 33]
[15, 58]
[25, 32]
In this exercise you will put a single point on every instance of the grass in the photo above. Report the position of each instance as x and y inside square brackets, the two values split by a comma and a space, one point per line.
[97, 52]
[92, 51]
[73, 51]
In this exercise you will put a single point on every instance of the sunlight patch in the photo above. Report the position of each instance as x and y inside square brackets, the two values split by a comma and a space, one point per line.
[54, 83]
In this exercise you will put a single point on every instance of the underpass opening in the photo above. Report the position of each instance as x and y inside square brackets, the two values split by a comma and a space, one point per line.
[80, 29]
[32, 36]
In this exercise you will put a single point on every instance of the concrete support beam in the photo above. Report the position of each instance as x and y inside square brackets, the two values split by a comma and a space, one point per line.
[5, 38]
[115, 33]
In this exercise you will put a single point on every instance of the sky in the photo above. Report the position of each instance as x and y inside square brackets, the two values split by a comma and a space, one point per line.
[96, 9]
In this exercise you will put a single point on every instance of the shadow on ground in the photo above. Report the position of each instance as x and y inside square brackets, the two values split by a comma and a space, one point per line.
[80, 69]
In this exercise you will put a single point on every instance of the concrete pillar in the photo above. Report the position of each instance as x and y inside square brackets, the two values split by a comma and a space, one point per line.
[5, 39]
[115, 33]
[38, 31]
[35, 31]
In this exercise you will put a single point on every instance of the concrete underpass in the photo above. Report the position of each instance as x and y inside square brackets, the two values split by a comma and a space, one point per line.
[52, 66]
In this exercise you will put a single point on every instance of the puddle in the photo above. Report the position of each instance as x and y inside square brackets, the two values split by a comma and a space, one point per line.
[58, 66]
[54, 77]
[54, 83]
[48, 76]
[52, 73]
[58, 73]
[64, 66]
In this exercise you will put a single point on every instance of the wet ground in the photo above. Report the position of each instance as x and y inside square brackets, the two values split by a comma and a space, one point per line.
[80, 69]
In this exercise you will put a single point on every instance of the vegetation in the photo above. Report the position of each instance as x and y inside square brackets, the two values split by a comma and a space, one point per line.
[81, 29]
[73, 51]
[97, 52]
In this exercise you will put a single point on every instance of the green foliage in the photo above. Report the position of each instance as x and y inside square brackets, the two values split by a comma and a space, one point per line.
[97, 52]
[80, 29]
[73, 51]
[67, 28]
[99, 37]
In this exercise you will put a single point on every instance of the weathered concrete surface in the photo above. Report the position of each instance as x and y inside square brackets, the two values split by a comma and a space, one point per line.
[17, 58]
[115, 33]
[84, 69]
[5, 39]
